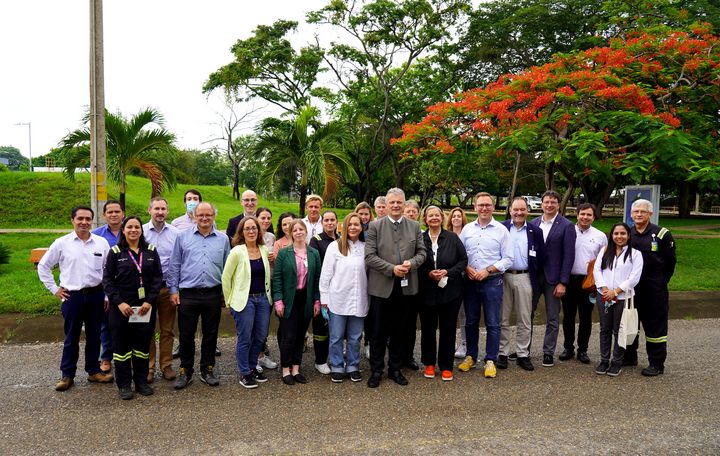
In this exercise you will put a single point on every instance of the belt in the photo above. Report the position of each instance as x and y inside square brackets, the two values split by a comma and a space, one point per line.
[257, 295]
[517, 271]
[89, 290]
[201, 290]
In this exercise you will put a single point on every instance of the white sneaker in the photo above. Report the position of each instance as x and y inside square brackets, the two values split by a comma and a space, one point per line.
[367, 351]
[461, 351]
[266, 362]
[323, 368]
[259, 368]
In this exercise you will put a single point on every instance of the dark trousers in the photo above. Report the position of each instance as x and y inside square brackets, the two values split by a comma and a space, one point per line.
[293, 329]
[444, 317]
[321, 338]
[203, 304]
[82, 307]
[130, 347]
[609, 325]
[652, 303]
[411, 330]
[106, 353]
[389, 317]
[576, 301]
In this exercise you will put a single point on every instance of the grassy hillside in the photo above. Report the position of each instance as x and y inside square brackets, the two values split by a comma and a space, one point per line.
[43, 200]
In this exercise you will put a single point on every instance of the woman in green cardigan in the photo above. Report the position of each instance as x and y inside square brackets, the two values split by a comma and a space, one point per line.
[246, 287]
[297, 299]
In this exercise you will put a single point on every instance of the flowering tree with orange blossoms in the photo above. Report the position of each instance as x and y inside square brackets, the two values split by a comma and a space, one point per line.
[643, 106]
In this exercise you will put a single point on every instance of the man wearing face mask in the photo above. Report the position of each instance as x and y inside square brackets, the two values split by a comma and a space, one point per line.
[187, 221]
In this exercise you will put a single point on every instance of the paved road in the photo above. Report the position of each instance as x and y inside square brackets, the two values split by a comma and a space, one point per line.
[566, 409]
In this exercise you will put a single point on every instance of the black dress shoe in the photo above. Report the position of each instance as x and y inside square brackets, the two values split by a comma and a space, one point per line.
[583, 357]
[652, 371]
[288, 379]
[144, 389]
[567, 354]
[411, 364]
[525, 363]
[502, 362]
[398, 378]
[374, 380]
[513, 356]
[299, 378]
[126, 393]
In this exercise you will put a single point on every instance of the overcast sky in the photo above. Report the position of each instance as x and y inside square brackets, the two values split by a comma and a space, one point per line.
[158, 53]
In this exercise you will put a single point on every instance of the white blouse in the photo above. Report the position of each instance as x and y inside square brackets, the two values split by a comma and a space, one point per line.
[343, 280]
[623, 275]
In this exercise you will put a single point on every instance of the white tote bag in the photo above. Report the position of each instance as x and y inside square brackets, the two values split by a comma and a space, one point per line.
[628, 323]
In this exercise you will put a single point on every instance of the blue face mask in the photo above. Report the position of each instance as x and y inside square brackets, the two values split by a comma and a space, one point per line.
[190, 206]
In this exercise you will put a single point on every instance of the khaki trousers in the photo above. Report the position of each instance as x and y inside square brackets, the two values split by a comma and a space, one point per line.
[517, 295]
[166, 313]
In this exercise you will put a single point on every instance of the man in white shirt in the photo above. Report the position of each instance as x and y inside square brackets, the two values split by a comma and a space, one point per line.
[588, 243]
[162, 235]
[313, 221]
[81, 256]
[490, 253]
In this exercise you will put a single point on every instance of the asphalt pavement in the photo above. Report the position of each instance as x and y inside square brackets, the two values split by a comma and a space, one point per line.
[565, 409]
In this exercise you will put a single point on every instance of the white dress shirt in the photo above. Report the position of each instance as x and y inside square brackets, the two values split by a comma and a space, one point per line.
[546, 226]
[343, 280]
[623, 275]
[81, 262]
[487, 245]
[312, 228]
[588, 244]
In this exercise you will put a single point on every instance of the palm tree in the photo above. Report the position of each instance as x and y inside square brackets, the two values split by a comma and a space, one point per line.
[313, 149]
[131, 145]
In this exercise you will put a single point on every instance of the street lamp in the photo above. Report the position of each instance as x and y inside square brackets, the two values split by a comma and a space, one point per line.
[29, 125]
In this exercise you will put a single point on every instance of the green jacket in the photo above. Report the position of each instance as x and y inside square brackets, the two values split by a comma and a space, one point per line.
[284, 280]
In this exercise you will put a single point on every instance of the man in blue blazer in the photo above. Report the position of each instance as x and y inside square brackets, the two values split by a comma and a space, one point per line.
[520, 287]
[559, 235]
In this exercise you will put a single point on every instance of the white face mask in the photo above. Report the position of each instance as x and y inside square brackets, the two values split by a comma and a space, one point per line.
[191, 205]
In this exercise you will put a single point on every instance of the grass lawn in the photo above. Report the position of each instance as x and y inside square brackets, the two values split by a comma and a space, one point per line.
[44, 200]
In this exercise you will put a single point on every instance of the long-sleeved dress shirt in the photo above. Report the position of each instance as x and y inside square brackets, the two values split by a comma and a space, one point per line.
[197, 261]
[81, 262]
[625, 274]
[164, 242]
[487, 245]
[343, 280]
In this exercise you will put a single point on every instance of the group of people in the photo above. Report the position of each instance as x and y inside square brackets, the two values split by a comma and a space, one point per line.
[371, 276]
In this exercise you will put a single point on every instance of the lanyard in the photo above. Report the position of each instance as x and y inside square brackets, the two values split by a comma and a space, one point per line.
[137, 265]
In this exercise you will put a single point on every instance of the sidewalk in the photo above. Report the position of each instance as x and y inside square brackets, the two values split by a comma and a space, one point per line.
[566, 409]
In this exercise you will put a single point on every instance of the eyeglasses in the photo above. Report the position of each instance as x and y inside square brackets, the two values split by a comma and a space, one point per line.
[250, 228]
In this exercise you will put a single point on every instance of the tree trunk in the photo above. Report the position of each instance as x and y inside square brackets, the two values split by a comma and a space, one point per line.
[684, 205]
[513, 187]
[566, 197]
[236, 180]
[303, 194]
[550, 176]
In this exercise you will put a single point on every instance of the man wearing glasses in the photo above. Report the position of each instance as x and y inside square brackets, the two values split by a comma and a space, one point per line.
[249, 202]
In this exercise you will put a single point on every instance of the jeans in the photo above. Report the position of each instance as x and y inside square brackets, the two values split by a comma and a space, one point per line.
[341, 327]
[487, 294]
[106, 352]
[252, 325]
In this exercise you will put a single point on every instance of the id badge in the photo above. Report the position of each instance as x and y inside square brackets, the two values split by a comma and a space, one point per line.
[532, 253]
[404, 282]
[653, 246]
[141, 293]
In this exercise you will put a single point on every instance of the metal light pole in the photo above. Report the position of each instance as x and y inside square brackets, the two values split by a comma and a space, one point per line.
[98, 176]
[29, 125]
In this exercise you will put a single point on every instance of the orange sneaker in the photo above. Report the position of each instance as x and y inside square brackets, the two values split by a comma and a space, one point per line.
[447, 376]
[429, 371]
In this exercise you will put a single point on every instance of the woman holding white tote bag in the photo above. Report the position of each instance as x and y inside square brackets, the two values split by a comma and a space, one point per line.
[617, 270]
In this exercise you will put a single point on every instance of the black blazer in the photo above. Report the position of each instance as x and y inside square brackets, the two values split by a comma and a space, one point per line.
[536, 243]
[451, 255]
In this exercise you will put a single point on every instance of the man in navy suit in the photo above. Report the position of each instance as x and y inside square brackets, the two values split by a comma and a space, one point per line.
[520, 285]
[559, 235]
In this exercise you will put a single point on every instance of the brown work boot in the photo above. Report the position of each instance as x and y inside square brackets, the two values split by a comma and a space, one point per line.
[105, 366]
[64, 384]
[168, 373]
[99, 377]
[151, 377]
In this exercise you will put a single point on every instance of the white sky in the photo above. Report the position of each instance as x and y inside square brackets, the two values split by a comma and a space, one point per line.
[158, 53]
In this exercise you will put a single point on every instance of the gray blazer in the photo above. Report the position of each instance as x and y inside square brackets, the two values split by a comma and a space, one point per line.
[386, 247]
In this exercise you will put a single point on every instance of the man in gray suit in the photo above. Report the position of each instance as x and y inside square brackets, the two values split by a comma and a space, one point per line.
[394, 250]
